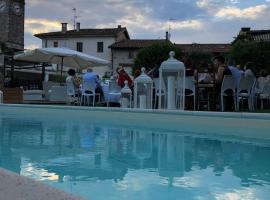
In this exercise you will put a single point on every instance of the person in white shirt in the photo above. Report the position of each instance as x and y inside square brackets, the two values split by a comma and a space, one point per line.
[249, 70]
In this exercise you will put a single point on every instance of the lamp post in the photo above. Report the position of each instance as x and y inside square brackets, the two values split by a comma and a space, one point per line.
[143, 91]
[172, 75]
[126, 96]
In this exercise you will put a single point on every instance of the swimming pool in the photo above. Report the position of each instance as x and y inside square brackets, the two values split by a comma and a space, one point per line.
[138, 155]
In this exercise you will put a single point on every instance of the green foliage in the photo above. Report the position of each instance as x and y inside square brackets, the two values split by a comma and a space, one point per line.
[200, 57]
[251, 51]
[155, 54]
[58, 78]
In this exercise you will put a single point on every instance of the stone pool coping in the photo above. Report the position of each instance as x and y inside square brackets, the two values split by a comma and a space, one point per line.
[16, 187]
[242, 115]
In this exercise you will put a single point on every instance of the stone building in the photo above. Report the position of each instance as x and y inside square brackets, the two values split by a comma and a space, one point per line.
[12, 25]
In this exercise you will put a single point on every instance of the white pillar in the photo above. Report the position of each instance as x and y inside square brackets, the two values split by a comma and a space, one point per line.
[171, 92]
[142, 101]
[124, 103]
[1, 97]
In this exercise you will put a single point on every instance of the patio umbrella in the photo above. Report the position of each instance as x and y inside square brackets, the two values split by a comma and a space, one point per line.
[61, 56]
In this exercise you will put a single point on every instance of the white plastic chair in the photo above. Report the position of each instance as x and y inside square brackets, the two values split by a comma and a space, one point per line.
[246, 91]
[159, 92]
[190, 86]
[114, 93]
[228, 84]
[88, 91]
[265, 95]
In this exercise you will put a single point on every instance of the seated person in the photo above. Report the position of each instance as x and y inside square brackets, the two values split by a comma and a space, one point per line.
[122, 77]
[74, 79]
[92, 77]
[249, 70]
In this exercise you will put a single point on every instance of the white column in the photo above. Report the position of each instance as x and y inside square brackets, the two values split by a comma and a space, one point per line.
[124, 103]
[1, 97]
[142, 101]
[171, 92]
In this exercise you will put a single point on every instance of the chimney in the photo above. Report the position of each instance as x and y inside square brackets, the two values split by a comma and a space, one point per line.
[245, 29]
[119, 26]
[167, 35]
[64, 27]
[78, 26]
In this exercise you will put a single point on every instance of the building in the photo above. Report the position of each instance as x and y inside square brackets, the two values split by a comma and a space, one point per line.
[124, 52]
[254, 35]
[11, 25]
[95, 42]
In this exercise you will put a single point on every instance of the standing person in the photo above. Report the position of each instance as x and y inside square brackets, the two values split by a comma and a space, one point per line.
[122, 77]
[92, 77]
[74, 79]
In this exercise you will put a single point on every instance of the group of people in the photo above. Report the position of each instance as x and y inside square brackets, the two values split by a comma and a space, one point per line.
[91, 77]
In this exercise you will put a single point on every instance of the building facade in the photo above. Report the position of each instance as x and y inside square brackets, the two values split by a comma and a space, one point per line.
[94, 42]
[125, 52]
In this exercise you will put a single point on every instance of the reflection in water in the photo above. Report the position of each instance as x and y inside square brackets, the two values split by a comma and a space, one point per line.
[82, 158]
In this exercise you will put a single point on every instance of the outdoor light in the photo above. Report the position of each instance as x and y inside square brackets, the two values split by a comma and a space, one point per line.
[143, 91]
[172, 77]
[126, 96]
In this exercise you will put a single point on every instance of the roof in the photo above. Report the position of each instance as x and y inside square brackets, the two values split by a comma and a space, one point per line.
[135, 44]
[259, 35]
[207, 48]
[86, 32]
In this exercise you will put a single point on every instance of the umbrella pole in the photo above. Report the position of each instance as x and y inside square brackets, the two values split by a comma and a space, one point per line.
[62, 62]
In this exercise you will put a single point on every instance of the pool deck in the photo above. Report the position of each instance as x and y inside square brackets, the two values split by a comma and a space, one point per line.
[15, 187]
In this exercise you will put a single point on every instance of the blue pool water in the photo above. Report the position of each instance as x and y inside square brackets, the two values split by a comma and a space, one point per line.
[102, 162]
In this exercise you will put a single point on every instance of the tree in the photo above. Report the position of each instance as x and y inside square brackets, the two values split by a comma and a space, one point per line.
[199, 58]
[155, 54]
[251, 51]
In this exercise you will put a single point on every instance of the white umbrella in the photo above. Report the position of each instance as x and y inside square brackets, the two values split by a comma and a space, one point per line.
[62, 56]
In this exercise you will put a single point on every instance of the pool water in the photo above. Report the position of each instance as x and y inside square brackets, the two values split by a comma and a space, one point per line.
[101, 162]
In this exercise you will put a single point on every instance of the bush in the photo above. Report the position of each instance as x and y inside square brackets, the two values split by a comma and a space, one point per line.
[155, 54]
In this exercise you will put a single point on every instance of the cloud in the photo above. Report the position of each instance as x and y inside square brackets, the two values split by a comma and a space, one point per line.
[202, 21]
[247, 13]
[34, 25]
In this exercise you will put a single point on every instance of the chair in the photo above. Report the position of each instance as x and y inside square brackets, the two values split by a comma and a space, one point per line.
[189, 87]
[71, 93]
[228, 84]
[246, 91]
[114, 92]
[88, 91]
[159, 92]
[265, 95]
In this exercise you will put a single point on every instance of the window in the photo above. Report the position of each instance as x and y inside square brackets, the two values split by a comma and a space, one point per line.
[55, 44]
[100, 47]
[80, 46]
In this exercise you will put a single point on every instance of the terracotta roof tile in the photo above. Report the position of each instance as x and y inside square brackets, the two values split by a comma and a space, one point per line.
[135, 44]
[84, 32]
[208, 48]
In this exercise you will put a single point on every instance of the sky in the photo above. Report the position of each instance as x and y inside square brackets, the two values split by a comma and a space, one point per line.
[190, 21]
